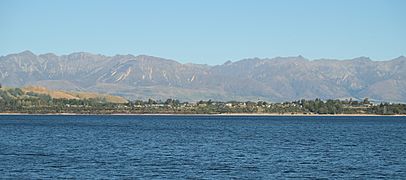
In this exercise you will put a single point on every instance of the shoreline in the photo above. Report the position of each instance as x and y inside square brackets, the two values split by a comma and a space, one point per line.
[225, 114]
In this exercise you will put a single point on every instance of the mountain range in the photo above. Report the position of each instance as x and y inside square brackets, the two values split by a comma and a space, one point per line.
[274, 79]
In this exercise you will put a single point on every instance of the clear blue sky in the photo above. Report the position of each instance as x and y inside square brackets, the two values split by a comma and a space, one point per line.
[206, 31]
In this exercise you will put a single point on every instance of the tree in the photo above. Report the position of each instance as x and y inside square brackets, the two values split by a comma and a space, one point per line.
[366, 101]
[151, 101]
[172, 102]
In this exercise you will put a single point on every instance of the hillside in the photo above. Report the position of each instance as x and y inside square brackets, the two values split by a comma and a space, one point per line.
[58, 94]
[143, 77]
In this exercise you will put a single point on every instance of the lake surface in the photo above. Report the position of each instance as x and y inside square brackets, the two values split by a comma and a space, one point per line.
[202, 147]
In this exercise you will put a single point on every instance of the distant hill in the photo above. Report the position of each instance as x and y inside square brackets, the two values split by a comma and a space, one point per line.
[143, 77]
[57, 94]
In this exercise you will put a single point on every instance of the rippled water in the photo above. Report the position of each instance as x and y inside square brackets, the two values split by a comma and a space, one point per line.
[208, 147]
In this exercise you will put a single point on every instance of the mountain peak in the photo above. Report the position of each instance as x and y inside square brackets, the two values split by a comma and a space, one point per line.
[48, 55]
[362, 58]
[400, 59]
[83, 56]
[27, 53]
[228, 62]
[24, 54]
[143, 57]
[80, 54]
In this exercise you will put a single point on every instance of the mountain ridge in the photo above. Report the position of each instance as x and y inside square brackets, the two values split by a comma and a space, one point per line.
[272, 79]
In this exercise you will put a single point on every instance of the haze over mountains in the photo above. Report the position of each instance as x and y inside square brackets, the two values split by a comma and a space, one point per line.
[143, 77]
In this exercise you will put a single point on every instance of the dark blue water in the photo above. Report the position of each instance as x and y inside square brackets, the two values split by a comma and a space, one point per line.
[208, 147]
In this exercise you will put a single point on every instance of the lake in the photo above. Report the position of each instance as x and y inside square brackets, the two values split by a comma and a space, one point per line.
[202, 147]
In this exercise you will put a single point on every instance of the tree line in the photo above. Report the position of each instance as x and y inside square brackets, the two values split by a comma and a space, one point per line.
[14, 100]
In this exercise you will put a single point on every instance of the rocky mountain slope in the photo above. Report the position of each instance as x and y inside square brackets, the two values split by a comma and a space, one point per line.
[276, 79]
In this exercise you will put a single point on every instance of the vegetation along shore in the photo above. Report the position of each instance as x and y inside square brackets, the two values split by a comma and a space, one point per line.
[34, 101]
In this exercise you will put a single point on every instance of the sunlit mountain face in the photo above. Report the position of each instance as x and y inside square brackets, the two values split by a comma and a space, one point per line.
[276, 79]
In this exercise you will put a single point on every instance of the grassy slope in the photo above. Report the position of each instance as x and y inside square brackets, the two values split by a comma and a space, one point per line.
[73, 95]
